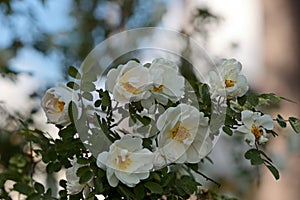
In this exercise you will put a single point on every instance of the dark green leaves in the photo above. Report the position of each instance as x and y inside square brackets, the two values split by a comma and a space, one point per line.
[258, 157]
[73, 72]
[154, 187]
[295, 123]
[281, 121]
[23, 188]
[85, 174]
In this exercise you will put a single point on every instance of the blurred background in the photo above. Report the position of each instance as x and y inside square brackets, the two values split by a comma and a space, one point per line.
[39, 39]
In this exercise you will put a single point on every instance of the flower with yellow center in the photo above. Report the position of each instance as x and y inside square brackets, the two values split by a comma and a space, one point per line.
[168, 84]
[129, 82]
[255, 126]
[55, 104]
[183, 133]
[127, 161]
[228, 82]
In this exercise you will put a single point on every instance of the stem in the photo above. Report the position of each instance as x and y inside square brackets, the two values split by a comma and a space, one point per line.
[206, 177]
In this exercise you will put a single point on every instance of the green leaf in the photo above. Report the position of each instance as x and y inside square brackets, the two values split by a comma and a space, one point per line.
[34, 196]
[227, 130]
[139, 191]
[254, 156]
[53, 167]
[281, 121]
[88, 96]
[274, 171]
[63, 184]
[253, 99]
[73, 85]
[106, 99]
[97, 103]
[73, 72]
[72, 111]
[85, 174]
[23, 188]
[268, 99]
[88, 86]
[39, 188]
[242, 100]
[295, 123]
[154, 187]
[86, 177]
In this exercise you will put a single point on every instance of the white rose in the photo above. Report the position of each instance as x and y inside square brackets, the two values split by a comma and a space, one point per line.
[254, 126]
[55, 104]
[127, 161]
[129, 82]
[183, 134]
[167, 83]
[73, 185]
[229, 82]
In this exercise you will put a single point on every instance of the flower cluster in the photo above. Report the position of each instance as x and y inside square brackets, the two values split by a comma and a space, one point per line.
[150, 120]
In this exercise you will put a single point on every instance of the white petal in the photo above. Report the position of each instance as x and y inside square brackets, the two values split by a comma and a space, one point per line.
[247, 118]
[111, 177]
[250, 138]
[266, 121]
[243, 129]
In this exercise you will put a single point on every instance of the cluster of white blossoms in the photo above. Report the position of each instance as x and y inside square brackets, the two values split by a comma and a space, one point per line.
[134, 82]
[182, 132]
[230, 83]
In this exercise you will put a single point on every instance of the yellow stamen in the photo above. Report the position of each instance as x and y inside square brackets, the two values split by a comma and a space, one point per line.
[179, 132]
[123, 162]
[158, 89]
[129, 88]
[256, 132]
[229, 83]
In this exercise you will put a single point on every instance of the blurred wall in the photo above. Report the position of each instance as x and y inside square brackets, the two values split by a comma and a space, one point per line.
[282, 61]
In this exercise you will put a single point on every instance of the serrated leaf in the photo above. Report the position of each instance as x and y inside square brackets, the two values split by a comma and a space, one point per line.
[154, 187]
[295, 124]
[274, 171]
[73, 72]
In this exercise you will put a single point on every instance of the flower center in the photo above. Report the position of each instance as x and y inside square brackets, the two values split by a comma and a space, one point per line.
[158, 89]
[256, 132]
[123, 161]
[129, 88]
[59, 105]
[229, 83]
[179, 132]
